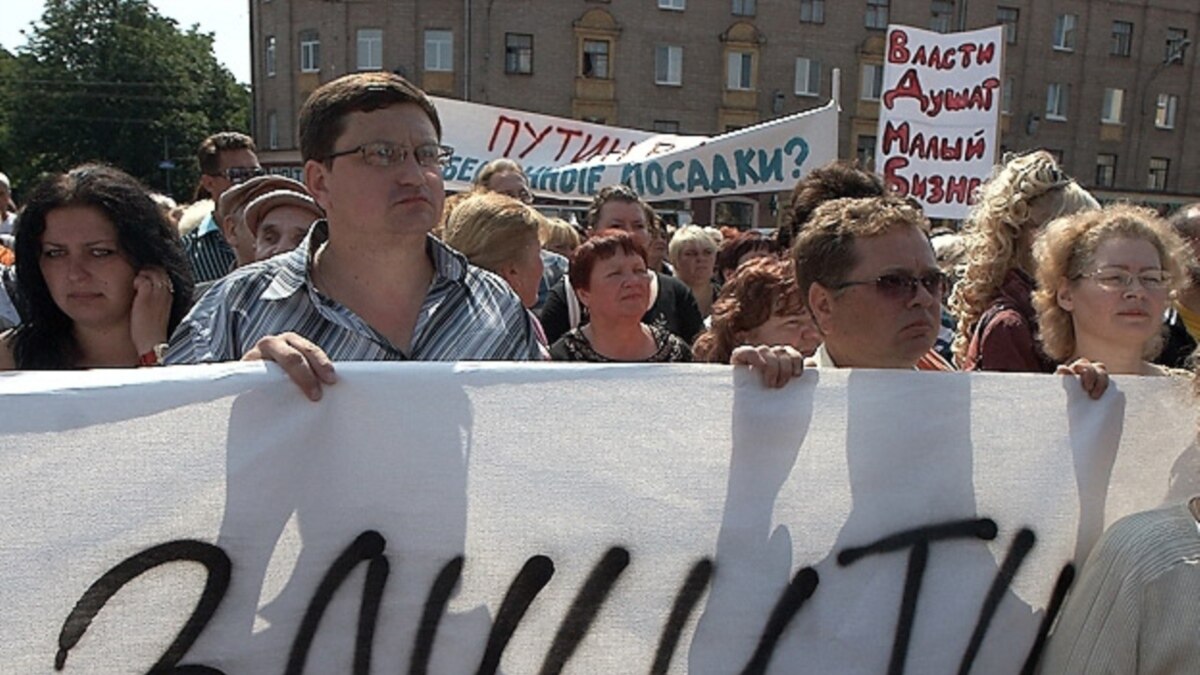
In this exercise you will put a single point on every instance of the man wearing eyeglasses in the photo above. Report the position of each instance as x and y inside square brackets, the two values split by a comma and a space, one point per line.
[226, 159]
[872, 283]
[369, 283]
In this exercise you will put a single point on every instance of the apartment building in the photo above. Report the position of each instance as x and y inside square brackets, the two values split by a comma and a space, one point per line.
[1106, 85]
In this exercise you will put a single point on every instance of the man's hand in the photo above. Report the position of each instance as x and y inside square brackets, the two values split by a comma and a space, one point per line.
[1092, 376]
[307, 364]
[776, 365]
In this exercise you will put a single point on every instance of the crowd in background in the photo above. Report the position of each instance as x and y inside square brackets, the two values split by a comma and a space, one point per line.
[367, 258]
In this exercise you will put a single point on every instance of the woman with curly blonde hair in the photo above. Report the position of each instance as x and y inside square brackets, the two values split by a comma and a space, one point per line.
[996, 320]
[1104, 281]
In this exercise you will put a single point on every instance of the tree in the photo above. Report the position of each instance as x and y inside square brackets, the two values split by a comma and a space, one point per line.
[115, 81]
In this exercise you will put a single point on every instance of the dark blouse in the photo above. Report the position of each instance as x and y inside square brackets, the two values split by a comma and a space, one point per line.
[573, 346]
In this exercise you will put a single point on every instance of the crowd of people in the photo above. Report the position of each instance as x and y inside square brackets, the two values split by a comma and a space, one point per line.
[368, 259]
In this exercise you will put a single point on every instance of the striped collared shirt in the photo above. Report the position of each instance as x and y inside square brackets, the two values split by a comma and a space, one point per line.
[206, 249]
[468, 314]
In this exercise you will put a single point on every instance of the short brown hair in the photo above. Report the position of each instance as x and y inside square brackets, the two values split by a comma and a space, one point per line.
[759, 289]
[603, 246]
[209, 152]
[617, 193]
[1065, 249]
[837, 180]
[824, 252]
[492, 229]
[322, 118]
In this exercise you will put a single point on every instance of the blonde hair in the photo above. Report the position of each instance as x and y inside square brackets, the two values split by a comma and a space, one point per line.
[492, 229]
[497, 166]
[558, 232]
[1066, 249]
[994, 228]
[689, 234]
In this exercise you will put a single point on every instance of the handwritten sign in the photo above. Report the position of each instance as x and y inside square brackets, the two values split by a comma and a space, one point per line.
[572, 159]
[938, 115]
[442, 518]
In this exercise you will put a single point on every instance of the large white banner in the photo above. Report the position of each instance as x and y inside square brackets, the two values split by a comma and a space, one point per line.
[938, 115]
[571, 159]
[442, 518]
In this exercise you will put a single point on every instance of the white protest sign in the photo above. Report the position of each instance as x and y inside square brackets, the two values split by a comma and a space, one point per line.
[938, 115]
[442, 518]
[572, 159]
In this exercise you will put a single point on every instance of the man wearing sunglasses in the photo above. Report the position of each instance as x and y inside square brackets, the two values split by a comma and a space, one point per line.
[369, 283]
[872, 282]
[226, 159]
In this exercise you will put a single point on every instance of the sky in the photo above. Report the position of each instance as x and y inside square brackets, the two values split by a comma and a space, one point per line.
[229, 20]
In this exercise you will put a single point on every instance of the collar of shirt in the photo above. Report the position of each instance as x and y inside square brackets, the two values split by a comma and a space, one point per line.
[207, 226]
[822, 359]
[296, 272]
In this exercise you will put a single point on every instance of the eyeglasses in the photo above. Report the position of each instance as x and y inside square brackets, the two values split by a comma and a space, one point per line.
[386, 153]
[1120, 280]
[903, 287]
[241, 174]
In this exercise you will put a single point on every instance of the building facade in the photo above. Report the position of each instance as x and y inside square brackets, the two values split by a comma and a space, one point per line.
[1106, 85]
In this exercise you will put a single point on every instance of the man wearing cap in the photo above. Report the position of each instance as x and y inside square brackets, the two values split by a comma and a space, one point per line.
[369, 283]
[234, 204]
[279, 220]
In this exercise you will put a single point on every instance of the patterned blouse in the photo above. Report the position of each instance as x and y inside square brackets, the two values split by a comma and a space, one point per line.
[573, 346]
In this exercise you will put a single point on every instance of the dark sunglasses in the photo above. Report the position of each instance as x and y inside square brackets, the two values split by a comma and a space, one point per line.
[903, 287]
[241, 174]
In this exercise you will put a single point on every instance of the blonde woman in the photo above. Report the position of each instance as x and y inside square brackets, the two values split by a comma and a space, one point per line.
[1104, 281]
[996, 319]
[693, 254]
[559, 236]
[500, 234]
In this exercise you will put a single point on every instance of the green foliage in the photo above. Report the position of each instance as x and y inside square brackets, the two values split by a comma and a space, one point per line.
[114, 81]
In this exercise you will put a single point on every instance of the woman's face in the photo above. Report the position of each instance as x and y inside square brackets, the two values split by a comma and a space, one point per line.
[619, 288]
[85, 269]
[694, 264]
[1104, 309]
[795, 329]
[525, 273]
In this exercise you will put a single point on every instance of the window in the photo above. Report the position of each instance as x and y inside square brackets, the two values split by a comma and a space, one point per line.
[812, 11]
[1159, 166]
[1006, 97]
[668, 65]
[1122, 39]
[370, 49]
[877, 14]
[518, 53]
[743, 7]
[666, 126]
[740, 71]
[1164, 115]
[1110, 110]
[1008, 16]
[677, 5]
[1056, 101]
[595, 59]
[808, 77]
[439, 50]
[1064, 32]
[872, 82]
[272, 130]
[865, 152]
[310, 51]
[1106, 170]
[942, 19]
[270, 59]
[1176, 45]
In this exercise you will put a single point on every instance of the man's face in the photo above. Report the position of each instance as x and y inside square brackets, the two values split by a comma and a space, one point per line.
[628, 216]
[403, 199]
[281, 230]
[243, 162]
[869, 326]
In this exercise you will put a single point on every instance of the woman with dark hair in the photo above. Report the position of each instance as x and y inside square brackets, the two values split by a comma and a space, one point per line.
[102, 279]
[760, 305]
[611, 278]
